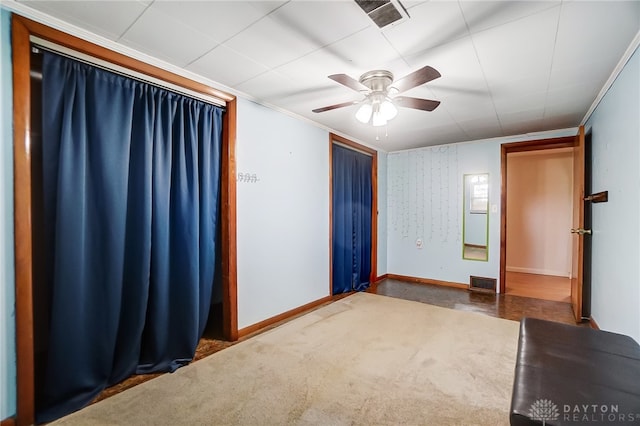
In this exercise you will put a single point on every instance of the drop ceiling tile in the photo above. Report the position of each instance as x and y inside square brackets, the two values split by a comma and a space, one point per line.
[596, 51]
[596, 71]
[106, 18]
[265, 7]
[523, 127]
[481, 128]
[317, 65]
[576, 98]
[270, 44]
[321, 22]
[518, 49]
[348, 56]
[226, 66]
[535, 114]
[459, 68]
[464, 108]
[562, 121]
[366, 50]
[519, 101]
[431, 24]
[220, 20]
[482, 15]
[164, 37]
[275, 87]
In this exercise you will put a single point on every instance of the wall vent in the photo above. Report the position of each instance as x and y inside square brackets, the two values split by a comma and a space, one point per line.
[482, 284]
[384, 12]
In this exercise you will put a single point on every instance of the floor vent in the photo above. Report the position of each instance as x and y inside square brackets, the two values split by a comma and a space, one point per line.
[482, 284]
[384, 12]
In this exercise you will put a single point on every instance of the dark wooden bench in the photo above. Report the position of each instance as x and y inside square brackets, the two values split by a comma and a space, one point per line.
[569, 375]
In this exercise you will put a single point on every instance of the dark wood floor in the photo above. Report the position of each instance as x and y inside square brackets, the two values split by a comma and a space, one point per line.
[496, 305]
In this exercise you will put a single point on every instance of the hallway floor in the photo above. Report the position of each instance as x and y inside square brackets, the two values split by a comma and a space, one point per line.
[547, 287]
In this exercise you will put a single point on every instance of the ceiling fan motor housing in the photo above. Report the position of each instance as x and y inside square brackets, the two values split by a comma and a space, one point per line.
[377, 80]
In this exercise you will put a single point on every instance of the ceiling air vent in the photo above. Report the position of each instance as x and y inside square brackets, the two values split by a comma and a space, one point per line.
[384, 12]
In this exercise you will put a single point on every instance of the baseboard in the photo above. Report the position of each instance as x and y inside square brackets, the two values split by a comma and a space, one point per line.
[417, 280]
[283, 316]
[537, 271]
[593, 324]
[381, 277]
[9, 421]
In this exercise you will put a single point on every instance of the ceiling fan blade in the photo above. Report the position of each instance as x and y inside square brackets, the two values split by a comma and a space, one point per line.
[349, 82]
[416, 78]
[416, 103]
[330, 107]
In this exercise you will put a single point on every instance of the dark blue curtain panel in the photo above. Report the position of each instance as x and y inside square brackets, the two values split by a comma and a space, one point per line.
[352, 199]
[131, 184]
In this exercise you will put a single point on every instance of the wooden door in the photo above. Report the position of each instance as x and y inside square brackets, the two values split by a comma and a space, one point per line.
[577, 254]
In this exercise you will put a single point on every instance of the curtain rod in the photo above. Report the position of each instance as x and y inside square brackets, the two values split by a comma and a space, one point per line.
[41, 44]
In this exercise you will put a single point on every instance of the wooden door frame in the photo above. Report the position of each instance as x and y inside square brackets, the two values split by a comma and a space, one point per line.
[21, 31]
[508, 148]
[333, 138]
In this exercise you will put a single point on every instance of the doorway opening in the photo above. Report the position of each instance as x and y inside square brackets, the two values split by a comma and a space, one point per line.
[353, 216]
[539, 213]
[537, 206]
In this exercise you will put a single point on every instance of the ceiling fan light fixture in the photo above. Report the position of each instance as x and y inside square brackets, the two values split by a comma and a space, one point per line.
[378, 119]
[388, 109]
[363, 114]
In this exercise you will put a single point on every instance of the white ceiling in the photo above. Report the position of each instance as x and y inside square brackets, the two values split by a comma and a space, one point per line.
[508, 67]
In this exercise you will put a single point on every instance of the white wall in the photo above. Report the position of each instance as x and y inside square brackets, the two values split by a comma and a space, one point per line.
[7, 298]
[425, 193]
[539, 211]
[283, 218]
[615, 127]
[424, 201]
[382, 213]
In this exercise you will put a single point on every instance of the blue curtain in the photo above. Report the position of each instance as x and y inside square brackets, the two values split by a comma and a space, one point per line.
[352, 198]
[131, 184]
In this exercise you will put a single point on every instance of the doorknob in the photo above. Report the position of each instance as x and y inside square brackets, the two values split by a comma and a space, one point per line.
[581, 231]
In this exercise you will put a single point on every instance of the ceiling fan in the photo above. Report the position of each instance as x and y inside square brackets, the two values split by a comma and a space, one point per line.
[380, 90]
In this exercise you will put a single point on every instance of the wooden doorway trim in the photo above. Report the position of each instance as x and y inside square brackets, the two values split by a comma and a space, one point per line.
[333, 138]
[507, 148]
[577, 246]
[21, 31]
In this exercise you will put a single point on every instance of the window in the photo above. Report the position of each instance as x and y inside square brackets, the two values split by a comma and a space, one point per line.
[479, 194]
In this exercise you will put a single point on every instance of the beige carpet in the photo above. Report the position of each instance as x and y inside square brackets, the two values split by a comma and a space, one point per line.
[365, 359]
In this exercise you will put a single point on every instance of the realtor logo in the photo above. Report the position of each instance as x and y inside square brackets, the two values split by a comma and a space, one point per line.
[544, 410]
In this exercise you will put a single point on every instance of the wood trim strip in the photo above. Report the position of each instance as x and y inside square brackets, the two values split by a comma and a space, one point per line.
[331, 214]
[229, 226]
[540, 144]
[593, 324]
[373, 284]
[243, 332]
[502, 286]
[352, 144]
[381, 277]
[427, 281]
[25, 409]
[9, 421]
[507, 148]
